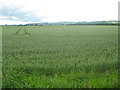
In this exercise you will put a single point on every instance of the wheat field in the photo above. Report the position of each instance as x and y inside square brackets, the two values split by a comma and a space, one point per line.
[66, 56]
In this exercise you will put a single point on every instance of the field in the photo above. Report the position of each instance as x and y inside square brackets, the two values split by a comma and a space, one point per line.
[63, 56]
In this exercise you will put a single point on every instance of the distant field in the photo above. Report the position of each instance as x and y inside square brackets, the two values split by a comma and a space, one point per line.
[60, 57]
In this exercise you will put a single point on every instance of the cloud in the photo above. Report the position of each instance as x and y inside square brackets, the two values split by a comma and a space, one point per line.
[57, 10]
[16, 13]
[9, 18]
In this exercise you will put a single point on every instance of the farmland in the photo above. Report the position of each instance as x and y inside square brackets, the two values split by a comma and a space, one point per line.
[65, 56]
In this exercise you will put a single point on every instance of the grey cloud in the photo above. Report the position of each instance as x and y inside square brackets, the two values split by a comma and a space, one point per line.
[15, 13]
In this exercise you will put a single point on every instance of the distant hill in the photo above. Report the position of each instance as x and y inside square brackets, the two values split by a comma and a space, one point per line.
[79, 23]
[113, 22]
[99, 23]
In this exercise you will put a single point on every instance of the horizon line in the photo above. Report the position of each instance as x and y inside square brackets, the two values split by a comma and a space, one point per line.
[58, 22]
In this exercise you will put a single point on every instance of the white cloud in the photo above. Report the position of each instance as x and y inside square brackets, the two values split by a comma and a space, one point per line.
[12, 22]
[10, 17]
[68, 10]
[3, 17]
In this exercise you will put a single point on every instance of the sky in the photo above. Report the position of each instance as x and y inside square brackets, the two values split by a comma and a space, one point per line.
[36, 11]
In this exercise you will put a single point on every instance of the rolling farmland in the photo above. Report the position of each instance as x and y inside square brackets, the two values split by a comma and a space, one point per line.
[65, 56]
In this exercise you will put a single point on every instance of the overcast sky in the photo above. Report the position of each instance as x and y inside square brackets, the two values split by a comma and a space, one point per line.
[28, 11]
